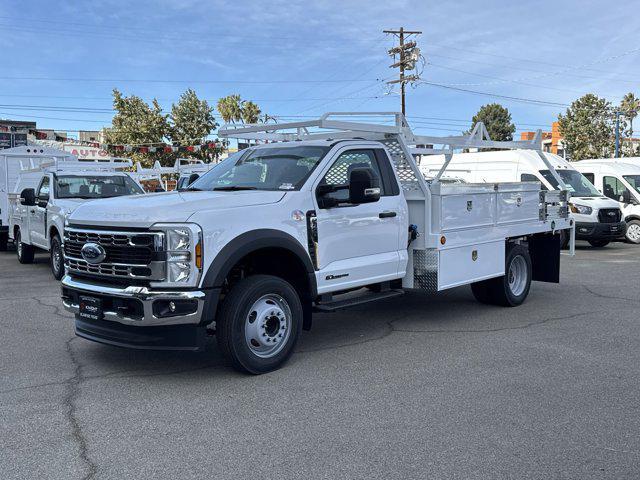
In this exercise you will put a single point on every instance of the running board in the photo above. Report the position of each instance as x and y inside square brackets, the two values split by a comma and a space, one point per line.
[333, 305]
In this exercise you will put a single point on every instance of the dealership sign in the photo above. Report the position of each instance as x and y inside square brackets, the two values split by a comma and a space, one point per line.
[87, 153]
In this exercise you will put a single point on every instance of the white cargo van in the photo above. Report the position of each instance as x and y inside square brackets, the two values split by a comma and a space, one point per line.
[618, 179]
[598, 219]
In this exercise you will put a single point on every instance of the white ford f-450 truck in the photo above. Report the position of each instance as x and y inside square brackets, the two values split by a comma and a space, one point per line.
[304, 222]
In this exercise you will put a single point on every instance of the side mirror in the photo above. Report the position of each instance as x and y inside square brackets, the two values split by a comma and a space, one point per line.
[363, 187]
[28, 197]
[625, 197]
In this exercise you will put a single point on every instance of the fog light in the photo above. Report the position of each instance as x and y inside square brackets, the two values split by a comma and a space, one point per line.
[174, 308]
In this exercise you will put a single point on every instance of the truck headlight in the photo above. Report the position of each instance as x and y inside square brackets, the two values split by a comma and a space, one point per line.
[182, 244]
[581, 209]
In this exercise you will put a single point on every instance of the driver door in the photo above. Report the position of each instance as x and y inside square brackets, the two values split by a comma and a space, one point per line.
[359, 244]
[38, 214]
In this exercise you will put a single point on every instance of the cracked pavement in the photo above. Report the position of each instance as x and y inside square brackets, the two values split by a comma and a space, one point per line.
[420, 386]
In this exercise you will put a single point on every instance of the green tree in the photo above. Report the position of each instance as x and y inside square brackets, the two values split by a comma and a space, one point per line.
[137, 123]
[630, 107]
[250, 112]
[230, 108]
[192, 121]
[587, 128]
[497, 119]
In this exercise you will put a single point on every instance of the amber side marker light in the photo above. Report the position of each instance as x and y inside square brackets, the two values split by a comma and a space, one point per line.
[443, 240]
[199, 255]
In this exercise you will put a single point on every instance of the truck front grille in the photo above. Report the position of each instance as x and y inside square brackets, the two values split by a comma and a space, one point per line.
[128, 254]
[609, 215]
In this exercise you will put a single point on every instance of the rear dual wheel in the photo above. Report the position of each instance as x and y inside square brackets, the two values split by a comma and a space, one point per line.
[511, 289]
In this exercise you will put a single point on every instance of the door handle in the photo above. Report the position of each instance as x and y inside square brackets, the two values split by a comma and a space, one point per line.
[387, 214]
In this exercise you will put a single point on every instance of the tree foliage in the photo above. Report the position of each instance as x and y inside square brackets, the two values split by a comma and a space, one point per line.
[588, 128]
[630, 107]
[230, 108]
[497, 119]
[250, 112]
[192, 121]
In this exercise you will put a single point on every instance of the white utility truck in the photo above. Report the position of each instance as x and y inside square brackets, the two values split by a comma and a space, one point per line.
[330, 213]
[12, 162]
[598, 219]
[51, 187]
[185, 171]
[618, 179]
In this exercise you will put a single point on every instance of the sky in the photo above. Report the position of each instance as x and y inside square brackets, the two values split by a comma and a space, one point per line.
[299, 59]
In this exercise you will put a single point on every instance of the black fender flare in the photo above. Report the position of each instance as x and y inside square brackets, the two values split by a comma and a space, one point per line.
[252, 241]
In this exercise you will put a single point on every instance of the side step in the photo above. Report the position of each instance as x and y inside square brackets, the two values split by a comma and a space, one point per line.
[331, 305]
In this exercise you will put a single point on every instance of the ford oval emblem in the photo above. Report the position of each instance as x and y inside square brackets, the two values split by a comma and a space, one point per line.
[93, 253]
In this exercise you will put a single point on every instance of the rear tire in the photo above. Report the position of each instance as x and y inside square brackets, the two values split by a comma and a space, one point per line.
[259, 324]
[511, 289]
[633, 231]
[25, 252]
[56, 258]
[599, 243]
[564, 239]
[4, 239]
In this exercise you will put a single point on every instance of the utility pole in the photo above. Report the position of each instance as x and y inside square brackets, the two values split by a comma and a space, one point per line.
[409, 54]
[617, 150]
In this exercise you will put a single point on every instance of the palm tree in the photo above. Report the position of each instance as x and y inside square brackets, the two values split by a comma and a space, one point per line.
[250, 112]
[630, 107]
[230, 108]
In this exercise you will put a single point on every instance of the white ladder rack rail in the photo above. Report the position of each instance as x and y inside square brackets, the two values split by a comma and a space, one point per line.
[401, 142]
[72, 164]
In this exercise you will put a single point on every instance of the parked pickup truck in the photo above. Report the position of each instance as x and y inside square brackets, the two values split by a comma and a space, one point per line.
[337, 214]
[51, 191]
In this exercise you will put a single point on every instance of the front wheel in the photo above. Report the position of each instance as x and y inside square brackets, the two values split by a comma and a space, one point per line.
[259, 323]
[57, 258]
[511, 289]
[598, 243]
[25, 252]
[633, 231]
[4, 239]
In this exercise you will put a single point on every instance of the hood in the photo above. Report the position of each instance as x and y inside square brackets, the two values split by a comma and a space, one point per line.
[597, 202]
[68, 205]
[171, 207]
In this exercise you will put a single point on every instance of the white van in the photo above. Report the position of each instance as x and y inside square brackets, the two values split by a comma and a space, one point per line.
[598, 218]
[618, 179]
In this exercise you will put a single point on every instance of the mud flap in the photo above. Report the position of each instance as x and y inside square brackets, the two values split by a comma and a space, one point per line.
[545, 257]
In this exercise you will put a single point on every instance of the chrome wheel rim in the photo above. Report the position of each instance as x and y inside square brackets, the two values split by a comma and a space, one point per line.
[267, 326]
[633, 232]
[517, 275]
[19, 246]
[57, 257]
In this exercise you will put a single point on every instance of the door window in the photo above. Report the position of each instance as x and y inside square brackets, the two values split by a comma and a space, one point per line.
[43, 189]
[591, 177]
[528, 177]
[613, 188]
[338, 174]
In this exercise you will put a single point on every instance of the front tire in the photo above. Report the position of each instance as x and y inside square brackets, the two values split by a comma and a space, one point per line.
[633, 231]
[259, 324]
[598, 243]
[56, 258]
[511, 289]
[4, 239]
[25, 252]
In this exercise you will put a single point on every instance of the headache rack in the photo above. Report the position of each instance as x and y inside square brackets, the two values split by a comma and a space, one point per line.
[447, 216]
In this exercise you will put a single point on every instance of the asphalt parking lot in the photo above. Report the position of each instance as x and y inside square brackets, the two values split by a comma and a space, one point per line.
[421, 386]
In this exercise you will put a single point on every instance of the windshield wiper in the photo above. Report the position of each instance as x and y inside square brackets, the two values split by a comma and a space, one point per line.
[233, 188]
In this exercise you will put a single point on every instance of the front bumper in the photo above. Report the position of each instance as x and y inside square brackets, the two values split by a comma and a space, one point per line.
[130, 315]
[600, 231]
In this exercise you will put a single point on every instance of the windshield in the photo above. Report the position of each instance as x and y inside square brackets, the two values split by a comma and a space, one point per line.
[634, 181]
[577, 183]
[97, 186]
[277, 168]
